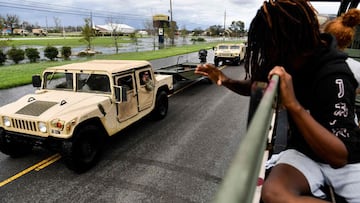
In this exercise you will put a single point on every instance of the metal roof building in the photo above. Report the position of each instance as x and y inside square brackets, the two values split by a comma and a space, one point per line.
[113, 27]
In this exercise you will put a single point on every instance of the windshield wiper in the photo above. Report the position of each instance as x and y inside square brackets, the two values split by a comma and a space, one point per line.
[51, 77]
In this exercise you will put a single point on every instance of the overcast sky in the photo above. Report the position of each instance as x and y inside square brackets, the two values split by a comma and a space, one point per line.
[187, 13]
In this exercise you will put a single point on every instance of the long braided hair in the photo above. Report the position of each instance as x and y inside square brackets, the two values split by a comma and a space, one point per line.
[280, 31]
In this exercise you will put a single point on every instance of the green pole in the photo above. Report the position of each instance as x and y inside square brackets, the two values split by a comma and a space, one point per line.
[240, 181]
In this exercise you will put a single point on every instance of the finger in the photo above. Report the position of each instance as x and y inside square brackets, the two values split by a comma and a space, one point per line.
[277, 70]
[201, 73]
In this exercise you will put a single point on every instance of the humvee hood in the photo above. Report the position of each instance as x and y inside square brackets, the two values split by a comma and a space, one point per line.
[52, 103]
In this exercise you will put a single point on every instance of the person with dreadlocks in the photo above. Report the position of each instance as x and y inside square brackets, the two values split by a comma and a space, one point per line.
[317, 88]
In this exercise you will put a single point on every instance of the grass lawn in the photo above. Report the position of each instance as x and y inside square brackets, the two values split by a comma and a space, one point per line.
[20, 74]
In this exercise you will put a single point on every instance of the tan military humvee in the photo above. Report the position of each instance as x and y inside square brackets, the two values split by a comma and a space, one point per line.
[78, 105]
[233, 53]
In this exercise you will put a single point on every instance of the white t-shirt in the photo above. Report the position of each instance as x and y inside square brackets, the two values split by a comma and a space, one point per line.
[355, 68]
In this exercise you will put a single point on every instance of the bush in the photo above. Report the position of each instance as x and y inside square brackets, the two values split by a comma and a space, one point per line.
[33, 54]
[2, 57]
[199, 39]
[85, 54]
[51, 52]
[16, 55]
[66, 52]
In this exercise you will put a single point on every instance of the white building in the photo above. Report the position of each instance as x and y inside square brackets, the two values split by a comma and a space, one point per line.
[113, 27]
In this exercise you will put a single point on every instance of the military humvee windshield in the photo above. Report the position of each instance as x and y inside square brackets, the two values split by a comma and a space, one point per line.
[85, 82]
[235, 47]
[223, 47]
[58, 81]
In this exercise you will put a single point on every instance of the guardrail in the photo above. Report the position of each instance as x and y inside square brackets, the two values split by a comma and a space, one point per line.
[240, 182]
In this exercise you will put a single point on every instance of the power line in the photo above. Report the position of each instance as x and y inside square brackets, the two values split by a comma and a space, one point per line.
[76, 11]
[51, 8]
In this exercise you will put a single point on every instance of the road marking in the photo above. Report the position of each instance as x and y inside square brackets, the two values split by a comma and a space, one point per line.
[55, 157]
[42, 164]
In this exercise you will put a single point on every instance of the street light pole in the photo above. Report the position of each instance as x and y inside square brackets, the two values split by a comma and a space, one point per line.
[224, 25]
[170, 10]
[171, 25]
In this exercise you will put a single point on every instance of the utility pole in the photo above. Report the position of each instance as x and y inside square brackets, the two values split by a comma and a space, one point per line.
[171, 25]
[91, 21]
[224, 25]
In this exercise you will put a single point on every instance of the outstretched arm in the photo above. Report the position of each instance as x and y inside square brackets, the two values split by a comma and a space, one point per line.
[241, 87]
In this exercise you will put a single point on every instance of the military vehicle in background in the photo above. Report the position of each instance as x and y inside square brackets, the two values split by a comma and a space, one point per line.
[39, 32]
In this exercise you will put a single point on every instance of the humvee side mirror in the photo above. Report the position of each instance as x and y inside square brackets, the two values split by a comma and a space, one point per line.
[120, 94]
[36, 81]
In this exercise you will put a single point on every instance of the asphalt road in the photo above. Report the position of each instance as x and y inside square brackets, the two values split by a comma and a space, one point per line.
[181, 158]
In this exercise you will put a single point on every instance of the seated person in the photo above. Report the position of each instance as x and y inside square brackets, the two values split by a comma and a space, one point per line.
[149, 85]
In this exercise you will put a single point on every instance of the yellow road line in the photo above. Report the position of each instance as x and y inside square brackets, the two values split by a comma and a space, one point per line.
[55, 156]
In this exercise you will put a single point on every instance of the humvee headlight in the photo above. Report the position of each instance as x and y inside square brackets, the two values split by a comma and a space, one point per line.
[42, 127]
[7, 121]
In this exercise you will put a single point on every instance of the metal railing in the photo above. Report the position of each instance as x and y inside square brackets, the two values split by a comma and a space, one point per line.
[240, 182]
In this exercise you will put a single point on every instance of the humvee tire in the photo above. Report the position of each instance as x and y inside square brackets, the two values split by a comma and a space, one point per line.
[161, 106]
[83, 151]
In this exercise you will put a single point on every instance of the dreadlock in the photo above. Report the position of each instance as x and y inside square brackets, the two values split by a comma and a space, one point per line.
[280, 30]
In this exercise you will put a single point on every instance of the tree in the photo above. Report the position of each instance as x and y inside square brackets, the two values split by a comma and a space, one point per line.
[27, 26]
[183, 33]
[114, 32]
[33, 54]
[87, 33]
[216, 30]
[2, 22]
[197, 31]
[66, 52]
[51, 52]
[2, 57]
[172, 31]
[149, 27]
[237, 28]
[16, 55]
[57, 22]
[12, 21]
[134, 38]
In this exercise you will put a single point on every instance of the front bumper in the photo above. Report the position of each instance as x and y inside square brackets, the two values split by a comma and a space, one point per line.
[45, 142]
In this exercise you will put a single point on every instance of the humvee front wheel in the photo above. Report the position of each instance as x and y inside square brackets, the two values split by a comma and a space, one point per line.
[83, 151]
[216, 61]
[161, 106]
[236, 61]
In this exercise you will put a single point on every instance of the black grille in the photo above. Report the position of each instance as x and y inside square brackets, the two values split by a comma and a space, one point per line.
[24, 125]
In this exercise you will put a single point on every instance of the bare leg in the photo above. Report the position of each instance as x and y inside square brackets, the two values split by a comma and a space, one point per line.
[286, 184]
